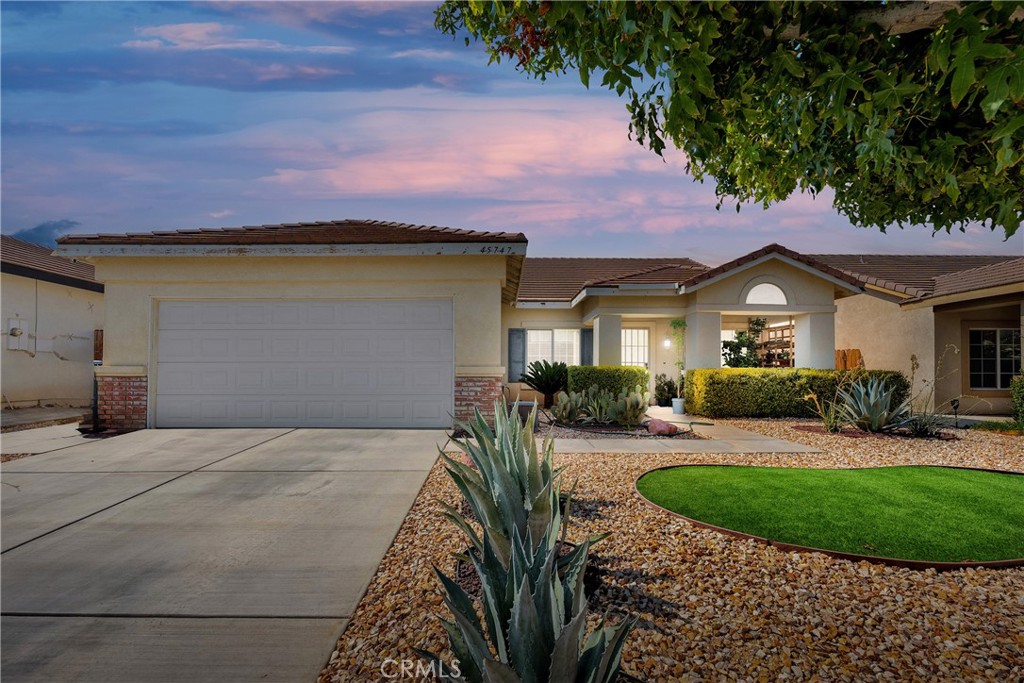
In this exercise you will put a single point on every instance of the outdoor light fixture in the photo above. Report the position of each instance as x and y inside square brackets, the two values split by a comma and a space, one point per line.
[955, 405]
[667, 343]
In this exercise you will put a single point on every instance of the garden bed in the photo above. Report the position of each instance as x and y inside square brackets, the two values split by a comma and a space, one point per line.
[716, 608]
[557, 431]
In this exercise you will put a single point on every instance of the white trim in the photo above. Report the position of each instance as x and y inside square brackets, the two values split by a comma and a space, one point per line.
[435, 249]
[998, 290]
[771, 257]
[543, 304]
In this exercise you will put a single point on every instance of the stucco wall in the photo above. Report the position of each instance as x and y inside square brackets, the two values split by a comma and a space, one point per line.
[51, 313]
[801, 288]
[952, 381]
[887, 336]
[135, 285]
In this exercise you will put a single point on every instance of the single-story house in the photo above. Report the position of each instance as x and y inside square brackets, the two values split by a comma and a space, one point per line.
[51, 309]
[366, 323]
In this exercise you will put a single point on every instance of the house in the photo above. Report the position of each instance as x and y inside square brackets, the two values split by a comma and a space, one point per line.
[367, 324]
[51, 308]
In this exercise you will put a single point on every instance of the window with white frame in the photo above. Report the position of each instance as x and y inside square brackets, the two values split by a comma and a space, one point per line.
[994, 357]
[636, 347]
[554, 346]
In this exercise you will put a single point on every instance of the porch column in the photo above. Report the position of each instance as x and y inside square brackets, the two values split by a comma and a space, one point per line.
[703, 340]
[608, 340]
[814, 336]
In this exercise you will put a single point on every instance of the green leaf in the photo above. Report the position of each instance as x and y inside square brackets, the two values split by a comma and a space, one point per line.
[963, 79]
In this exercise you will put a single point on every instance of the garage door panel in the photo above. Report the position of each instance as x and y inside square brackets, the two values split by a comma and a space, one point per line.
[198, 379]
[284, 411]
[219, 346]
[364, 314]
[304, 363]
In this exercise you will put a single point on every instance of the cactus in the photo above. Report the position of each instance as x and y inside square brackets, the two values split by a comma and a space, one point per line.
[568, 407]
[631, 408]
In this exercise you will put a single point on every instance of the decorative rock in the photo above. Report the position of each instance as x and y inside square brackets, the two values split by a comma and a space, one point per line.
[656, 426]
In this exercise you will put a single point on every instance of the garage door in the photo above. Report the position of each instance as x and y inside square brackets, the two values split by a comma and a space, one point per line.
[308, 363]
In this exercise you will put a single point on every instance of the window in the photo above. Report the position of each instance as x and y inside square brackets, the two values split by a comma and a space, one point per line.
[766, 293]
[635, 347]
[554, 346]
[994, 356]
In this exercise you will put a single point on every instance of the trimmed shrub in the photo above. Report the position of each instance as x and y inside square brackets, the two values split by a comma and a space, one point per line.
[1017, 396]
[614, 378]
[771, 392]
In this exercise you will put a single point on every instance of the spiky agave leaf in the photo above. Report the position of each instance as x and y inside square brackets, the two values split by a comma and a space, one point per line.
[565, 656]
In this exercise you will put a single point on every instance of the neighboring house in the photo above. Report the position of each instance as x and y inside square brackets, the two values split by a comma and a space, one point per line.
[364, 323]
[51, 308]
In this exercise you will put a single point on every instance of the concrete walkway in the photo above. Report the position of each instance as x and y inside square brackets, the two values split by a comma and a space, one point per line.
[24, 417]
[719, 438]
[195, 555]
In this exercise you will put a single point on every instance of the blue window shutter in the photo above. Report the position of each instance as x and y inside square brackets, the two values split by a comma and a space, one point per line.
[516, 353]
[587, 346]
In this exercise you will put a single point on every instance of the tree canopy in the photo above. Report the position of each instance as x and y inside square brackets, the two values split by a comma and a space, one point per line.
[912, 113]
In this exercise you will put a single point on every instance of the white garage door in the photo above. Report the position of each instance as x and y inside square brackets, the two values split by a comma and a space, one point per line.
[308, 363]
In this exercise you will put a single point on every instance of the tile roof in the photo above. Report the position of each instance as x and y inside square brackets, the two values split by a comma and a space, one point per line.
[811, 261]
[993, 275]
[28, 259]
[561, 279]
[321, 232]
[912, 274]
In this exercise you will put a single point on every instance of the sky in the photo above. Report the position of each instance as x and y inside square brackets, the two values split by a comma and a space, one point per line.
[138, 116]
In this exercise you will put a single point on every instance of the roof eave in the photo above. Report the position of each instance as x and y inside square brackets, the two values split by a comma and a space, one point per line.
[178, 250]
[959, 297]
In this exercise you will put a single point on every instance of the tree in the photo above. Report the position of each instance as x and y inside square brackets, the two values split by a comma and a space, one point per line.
[741, 352]
[910, 112]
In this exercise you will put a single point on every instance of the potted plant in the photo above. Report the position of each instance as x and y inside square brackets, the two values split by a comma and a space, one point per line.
[678, 327]
[664, 390]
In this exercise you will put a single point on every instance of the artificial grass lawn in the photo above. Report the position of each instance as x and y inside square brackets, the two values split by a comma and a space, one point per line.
[937, 514]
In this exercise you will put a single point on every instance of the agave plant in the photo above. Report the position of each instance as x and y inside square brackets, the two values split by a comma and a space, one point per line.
[868, 404]
[535, 619]
[600, 407]
[547, 378]
[510, 487]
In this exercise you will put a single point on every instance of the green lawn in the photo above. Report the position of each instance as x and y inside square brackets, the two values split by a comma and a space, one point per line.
[937, 514]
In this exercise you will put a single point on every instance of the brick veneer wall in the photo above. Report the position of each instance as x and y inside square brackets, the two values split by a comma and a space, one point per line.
[122, 402]
[476, 392]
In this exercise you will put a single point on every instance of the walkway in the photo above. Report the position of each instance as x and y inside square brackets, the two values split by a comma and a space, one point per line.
[719, 438]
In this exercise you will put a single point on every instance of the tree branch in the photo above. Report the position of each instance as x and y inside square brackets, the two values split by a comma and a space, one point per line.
[897, 19]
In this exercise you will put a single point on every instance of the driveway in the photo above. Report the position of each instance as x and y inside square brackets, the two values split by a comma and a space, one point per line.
[195, 555]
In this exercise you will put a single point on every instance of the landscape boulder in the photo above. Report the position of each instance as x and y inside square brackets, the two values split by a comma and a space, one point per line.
[662, 428]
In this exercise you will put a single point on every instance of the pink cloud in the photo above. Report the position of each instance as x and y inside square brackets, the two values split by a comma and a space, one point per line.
[216, 36]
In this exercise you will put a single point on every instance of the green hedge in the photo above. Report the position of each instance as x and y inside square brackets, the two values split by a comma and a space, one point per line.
[1017, 396]
[614, 378]
[769, 392]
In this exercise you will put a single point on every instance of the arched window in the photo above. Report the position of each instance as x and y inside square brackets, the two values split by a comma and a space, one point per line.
[766, 293]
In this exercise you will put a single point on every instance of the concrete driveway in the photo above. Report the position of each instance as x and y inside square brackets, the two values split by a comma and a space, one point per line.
[195, 555]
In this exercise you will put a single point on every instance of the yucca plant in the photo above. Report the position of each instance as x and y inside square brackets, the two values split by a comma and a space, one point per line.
[869, 405]
[547, 378]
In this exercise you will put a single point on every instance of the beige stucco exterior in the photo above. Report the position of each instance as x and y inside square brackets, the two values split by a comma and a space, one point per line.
[135, 285]
[951, 326]
[55, 366]
[887, 336]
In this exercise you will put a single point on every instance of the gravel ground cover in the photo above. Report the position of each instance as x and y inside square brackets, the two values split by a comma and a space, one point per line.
[715, 608]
